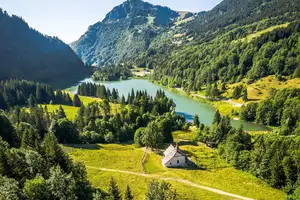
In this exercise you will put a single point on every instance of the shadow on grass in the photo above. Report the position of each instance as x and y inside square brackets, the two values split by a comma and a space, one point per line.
[254, 99]
[84, 146]
[183, 143]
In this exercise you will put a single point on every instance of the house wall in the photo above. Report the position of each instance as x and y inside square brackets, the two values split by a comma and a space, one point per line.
[177, 161]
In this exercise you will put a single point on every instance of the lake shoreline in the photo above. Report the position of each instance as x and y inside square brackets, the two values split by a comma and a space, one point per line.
[186, 104]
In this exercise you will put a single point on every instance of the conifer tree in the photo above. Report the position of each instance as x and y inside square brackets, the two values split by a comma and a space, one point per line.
[76, 101]
[245, 95]
[196, 121]
[217, 118]
[61, 113]
[32, 101]
[113, 190]
[128, 194]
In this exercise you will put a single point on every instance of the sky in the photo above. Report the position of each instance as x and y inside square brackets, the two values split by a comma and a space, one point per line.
[69, 19]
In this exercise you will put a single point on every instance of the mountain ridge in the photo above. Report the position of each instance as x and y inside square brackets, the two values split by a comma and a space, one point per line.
[128, 29]
[24, 50]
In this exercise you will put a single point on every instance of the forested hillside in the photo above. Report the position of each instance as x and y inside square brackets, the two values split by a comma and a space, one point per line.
[231, 57]
[128, 30]
[230, 14]
[26, 53]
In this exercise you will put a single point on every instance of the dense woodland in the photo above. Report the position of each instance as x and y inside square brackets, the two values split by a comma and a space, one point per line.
[230, 58]
[112, 73]
[281, 108]
[21, 93]
[273, 157]
[139, 110]
[33, 164]
[231, 14]
[27, 54]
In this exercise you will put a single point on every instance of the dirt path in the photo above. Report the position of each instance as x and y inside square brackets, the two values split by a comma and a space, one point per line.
[183, 181]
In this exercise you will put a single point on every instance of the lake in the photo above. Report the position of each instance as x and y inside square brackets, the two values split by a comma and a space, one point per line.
[184, 105]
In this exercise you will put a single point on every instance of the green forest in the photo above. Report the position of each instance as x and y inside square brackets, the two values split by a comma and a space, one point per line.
[241, 58]
[33, 164]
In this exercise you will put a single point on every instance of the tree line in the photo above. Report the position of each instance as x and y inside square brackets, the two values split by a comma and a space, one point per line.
[112, 73]
[22, 93]
[281, 108]
[273, 157]
[95, 122]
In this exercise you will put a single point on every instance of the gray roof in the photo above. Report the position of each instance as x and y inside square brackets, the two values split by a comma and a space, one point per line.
[169, 150]
[171, 153]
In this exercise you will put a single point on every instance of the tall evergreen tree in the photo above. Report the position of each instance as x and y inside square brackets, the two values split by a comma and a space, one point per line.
[128, 194]
[245, 95]
[217, 117]
[113, 190]
[196, 121]
[76, 101]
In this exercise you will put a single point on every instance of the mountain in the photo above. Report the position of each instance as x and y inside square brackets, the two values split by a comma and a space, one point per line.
[25, 53]
[237, 39]
[234, 13]
[128, 30]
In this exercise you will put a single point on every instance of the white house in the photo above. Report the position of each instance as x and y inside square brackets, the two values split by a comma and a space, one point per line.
[174, 157]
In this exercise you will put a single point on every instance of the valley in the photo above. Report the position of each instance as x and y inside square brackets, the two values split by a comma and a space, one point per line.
[185, 105]
[150, 102]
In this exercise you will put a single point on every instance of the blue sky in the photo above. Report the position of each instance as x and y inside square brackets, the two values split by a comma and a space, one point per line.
[69, 19]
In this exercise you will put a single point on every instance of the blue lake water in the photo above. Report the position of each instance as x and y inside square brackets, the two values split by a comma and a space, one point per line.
[184, 105]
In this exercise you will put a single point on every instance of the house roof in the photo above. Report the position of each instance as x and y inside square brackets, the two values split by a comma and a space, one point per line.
[169, 149]
[171, 153]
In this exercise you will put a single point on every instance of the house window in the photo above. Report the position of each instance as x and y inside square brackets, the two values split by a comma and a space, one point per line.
[177, 161]
[170, 163]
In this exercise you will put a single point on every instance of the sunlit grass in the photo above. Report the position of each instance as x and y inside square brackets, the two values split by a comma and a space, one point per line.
[70, 111]
[213, 171]
[113, 156]
[259, 33]
[259, 90]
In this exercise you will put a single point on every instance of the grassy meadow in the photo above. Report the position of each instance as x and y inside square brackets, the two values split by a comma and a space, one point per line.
[259, 33]
[71, 111]
[259, 90]
[212, 170]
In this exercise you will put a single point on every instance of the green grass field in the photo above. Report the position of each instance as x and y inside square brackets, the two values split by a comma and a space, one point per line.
[71, 111]
[213, 171]
[259, 90]
[259, 33]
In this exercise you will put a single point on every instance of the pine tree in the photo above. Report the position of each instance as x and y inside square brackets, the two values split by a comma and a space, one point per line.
[32, 101]
[123, 101]
[113, 190]
[217, 118]
[128, 194]
[196, 121]
[61, 113]
[245, 95]
[39, 94]
[76, 101]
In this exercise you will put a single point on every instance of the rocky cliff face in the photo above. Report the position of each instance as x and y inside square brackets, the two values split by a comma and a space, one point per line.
[125, 32]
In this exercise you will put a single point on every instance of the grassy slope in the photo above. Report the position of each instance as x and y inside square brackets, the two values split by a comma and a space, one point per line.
[259, 90]
[71, 111]
[259, 33]
[215, 172]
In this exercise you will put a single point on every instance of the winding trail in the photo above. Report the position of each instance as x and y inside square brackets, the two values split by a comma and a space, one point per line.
[183, 181]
